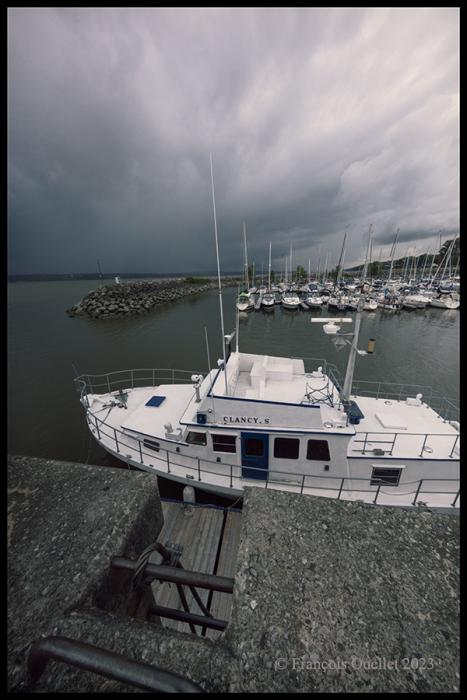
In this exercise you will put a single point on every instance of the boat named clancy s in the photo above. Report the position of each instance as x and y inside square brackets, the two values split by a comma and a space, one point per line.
[267, 421]
[272, 422]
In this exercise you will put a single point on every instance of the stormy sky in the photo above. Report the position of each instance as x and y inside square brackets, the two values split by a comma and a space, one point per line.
[318, 120]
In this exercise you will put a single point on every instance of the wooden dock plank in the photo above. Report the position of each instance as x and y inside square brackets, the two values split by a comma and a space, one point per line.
[221, 603]
[199, 535]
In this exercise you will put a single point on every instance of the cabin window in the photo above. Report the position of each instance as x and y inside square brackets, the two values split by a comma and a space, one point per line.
[224, 443]
[318, 449]
[253, 447]
[286, 448]
[152, 445]
[387, 476]
[196, 438]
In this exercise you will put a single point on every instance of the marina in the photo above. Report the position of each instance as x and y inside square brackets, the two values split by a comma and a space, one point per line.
[40, 378]
[249, 421]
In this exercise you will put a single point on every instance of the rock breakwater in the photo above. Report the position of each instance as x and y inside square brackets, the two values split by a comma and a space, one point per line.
[130, 298]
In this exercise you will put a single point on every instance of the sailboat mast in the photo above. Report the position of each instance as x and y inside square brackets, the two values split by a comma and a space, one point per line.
[367, 256]
[291, 273]
[269, 269]
[247, 280]
[393, 253]
[219, 278]
[341, 261]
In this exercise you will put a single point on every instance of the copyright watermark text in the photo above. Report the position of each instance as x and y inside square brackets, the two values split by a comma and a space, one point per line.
[355, 663]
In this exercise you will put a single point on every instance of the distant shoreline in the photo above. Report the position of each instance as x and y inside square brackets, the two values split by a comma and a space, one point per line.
[111, 276]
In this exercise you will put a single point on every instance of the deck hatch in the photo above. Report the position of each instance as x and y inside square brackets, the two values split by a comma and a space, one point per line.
[155, 401]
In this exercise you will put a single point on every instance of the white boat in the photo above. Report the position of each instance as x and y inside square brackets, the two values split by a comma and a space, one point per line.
[369, 304]
[352, 303]
[245, 302]
[267, 421]
[268, 300]
[314, 301]
[333, 303]
[444, 301]
[290, 300]
[414, 301]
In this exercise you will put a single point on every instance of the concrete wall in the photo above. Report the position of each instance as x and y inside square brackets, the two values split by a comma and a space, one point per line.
[329, 596]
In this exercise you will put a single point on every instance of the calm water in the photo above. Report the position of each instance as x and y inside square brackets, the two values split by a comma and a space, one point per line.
[45, 418]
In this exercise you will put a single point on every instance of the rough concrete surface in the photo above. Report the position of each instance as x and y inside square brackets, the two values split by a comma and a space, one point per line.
[329, 596]
[65, 522]
[325, 589]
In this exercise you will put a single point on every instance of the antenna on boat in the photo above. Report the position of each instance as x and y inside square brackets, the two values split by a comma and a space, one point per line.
[237, 328]
[219, 277]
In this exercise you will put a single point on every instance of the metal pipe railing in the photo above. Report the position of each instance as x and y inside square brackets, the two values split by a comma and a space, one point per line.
[224, 584]
[105, 663]
[188, 617]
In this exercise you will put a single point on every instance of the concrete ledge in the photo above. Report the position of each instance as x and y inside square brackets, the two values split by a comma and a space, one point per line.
[65, 522]
[329, 596]
[320, 582]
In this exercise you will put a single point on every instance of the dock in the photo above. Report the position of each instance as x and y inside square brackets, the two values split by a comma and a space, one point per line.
[210, 539]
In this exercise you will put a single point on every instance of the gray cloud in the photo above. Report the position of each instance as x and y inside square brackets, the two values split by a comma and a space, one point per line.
[319, 120]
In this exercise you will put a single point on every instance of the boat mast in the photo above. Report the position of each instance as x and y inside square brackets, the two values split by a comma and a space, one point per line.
[247, 279]
[352, 357]
[269, 269]
[291, 269]
[393, 253]
[365, 266]
[319, 262]
[341, 261]
[219, 278]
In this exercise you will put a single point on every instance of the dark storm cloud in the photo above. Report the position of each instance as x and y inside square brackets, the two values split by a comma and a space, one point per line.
[319, 121]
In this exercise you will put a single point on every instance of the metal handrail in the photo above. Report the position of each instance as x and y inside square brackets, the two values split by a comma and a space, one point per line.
[106, 663]
[288, 476]
[396, 391]
[392, 439]
[401, 391]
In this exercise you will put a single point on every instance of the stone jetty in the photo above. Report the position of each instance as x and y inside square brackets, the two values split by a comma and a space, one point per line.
[130, 298]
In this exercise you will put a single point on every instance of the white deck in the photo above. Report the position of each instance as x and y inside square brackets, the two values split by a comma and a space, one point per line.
[267, 378]
[149, 420]
[383, 419]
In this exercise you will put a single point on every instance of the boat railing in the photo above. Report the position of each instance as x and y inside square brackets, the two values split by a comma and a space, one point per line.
[131, 378]
[169, 460]
[386, 442]
[447, 408]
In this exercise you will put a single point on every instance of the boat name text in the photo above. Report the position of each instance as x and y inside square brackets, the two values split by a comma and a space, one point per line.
[246, 419]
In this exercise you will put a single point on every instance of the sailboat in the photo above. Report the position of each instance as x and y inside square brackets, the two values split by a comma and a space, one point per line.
[268, 298]
[245, 300]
